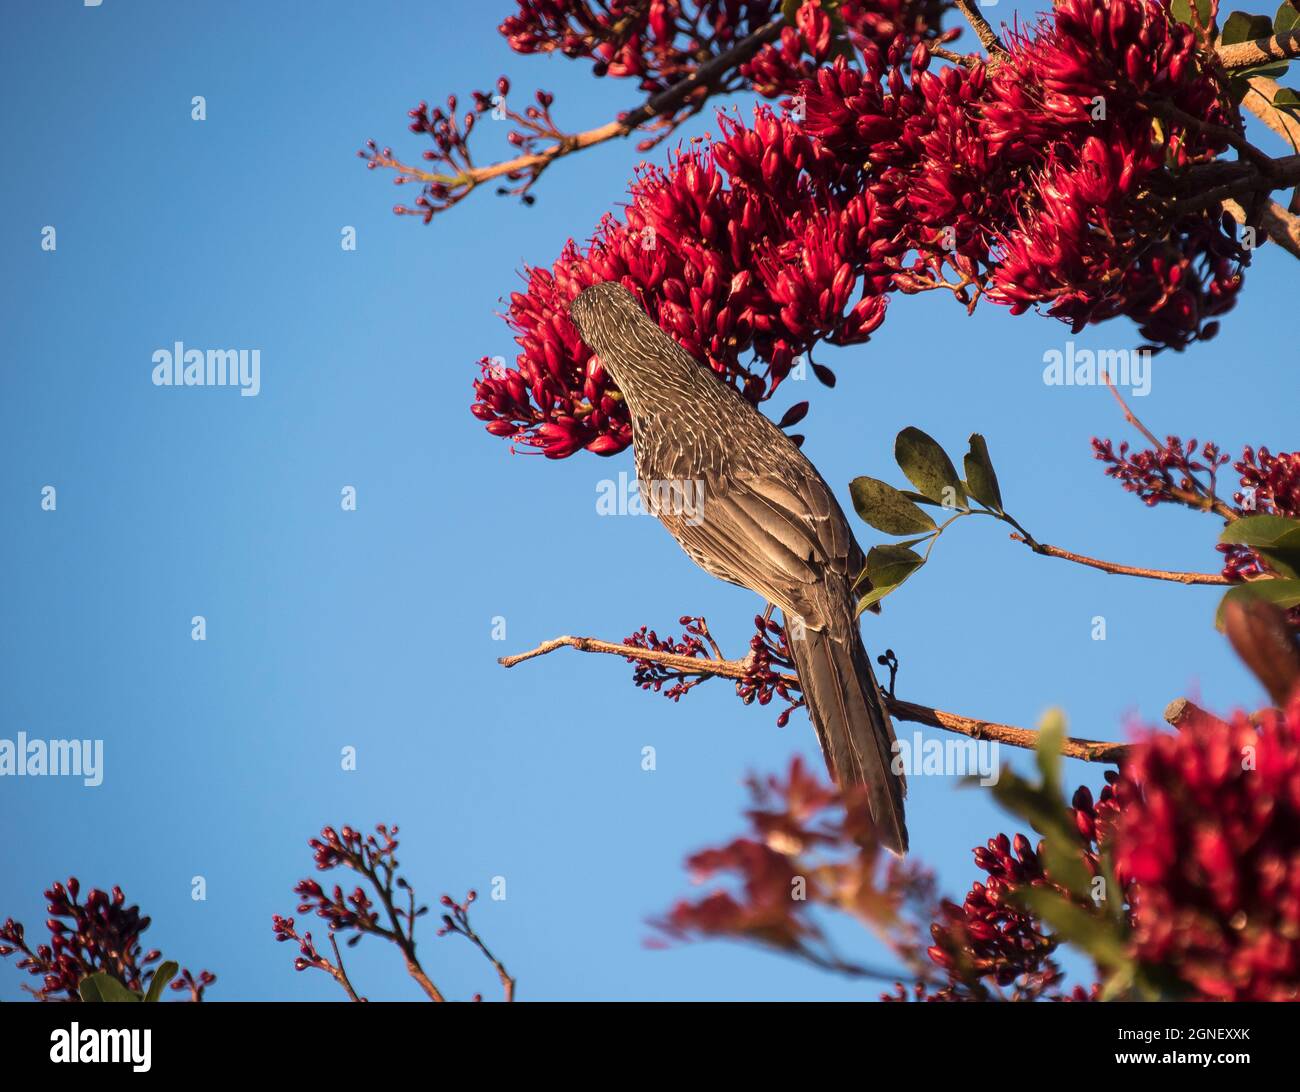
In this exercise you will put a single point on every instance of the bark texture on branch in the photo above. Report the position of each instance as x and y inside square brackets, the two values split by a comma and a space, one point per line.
[1260, 51]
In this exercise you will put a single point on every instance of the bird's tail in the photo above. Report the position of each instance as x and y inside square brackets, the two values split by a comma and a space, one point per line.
[852, 724]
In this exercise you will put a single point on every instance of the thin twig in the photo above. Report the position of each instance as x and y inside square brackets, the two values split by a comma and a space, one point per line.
[507, 983]
[403, 939]
[338, 971]
[1124, 570]
[1203, 499]
[662, 104]
[1167, 110]
[1086, 749]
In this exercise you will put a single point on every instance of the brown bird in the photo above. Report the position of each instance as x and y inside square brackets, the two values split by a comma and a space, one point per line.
[747, 506]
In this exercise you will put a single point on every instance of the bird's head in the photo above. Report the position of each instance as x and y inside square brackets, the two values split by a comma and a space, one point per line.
[632, 348]
[604, 312]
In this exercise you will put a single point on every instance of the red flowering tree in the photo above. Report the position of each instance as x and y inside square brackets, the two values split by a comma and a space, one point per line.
[1090, 165]
[1093, 164]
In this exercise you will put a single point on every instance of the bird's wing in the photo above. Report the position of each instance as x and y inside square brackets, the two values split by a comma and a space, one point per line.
[777, 537]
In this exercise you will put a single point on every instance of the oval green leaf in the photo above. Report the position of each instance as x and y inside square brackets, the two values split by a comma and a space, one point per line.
[888, 567]
[886, 509]
[980, 478]
[102, 986]
[928, 467]
[1274, 532]
[1242, 27]
[1287, 100]
[161, 977]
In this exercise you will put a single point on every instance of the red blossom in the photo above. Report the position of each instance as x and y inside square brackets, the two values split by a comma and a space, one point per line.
[1209, 837]
[754, 246]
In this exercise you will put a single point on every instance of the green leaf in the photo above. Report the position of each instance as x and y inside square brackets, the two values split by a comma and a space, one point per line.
[980, 478]
[1286, 19]
[1272, 70]
[886, 509]
[161, 977]
[102, 986]
[865, 575]
[1242, 27]
[1281, 593]
[1047, 814]
[1286, 99]
[1272, 531]
[1047, 753]
[1181, 10]
[928, 467]
[888, 567]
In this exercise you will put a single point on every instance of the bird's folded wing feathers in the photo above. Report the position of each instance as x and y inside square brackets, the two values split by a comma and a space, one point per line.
[778, 538]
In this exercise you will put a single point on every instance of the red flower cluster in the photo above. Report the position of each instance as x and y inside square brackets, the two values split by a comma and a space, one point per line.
[990, 939]
[649, 675]
[988, 935]
[660, 43]
[1176, 473]
[1179, 472]
[741, 250]
[1202, 828]
[1085, 119]
[771, 670]
[368, 855]
[769, 666]
[1045, 179]
[374, 858]
[1273, 481]
[195, 986]
[1209, 838]
[100, 934]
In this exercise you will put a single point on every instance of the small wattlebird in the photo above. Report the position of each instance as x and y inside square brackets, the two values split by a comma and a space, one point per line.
[757, 514]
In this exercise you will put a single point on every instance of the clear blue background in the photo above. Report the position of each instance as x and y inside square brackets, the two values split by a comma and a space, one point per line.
[373, 629]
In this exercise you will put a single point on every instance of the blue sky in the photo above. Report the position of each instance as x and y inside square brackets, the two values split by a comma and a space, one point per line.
[373, 629]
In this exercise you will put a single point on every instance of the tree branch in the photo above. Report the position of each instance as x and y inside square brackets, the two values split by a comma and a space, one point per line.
[1259, 101]
[1260, 51]
[1279, 224]
[1244, 180]
[1088, 750]
[709, 76]
[986, 34]
[1123, 570]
